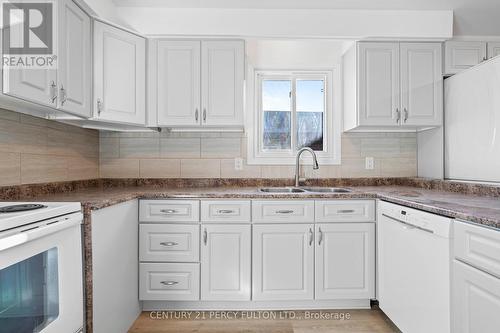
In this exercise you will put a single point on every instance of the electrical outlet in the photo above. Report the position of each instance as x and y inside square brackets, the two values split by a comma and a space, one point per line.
[369, 163]
[238, 163]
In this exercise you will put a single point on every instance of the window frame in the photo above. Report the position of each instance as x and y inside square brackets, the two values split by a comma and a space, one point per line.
[331, 118]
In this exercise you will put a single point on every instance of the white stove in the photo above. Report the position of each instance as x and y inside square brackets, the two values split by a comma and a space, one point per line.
[13, 215]
[41, 267]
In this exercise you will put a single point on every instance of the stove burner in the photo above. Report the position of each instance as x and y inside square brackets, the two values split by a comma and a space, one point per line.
[20, 208]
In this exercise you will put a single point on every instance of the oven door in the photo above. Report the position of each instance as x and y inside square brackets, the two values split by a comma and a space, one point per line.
[41, 287]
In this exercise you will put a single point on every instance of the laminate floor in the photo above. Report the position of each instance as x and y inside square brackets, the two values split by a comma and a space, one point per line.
[332, 321]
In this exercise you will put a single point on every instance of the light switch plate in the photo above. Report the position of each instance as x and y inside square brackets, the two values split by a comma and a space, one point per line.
[369, 163]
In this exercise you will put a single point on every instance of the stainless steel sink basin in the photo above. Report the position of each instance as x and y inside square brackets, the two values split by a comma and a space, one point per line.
[281, 190]
[327, 190]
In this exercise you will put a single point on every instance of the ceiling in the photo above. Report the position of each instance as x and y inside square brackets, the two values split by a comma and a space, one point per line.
[471, 17]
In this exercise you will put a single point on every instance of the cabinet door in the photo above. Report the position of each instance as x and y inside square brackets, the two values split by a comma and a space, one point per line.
[463, 55]
[222, 82]
[119, 75]
[225, 262]
[378, 84]
[345, 261]
[179, 83]
[421, 84]
[283, 267]
[476, 300]
[493, 49]
[74, 69]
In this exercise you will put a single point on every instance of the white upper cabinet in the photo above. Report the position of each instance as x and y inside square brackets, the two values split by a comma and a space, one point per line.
[460, 55]
[493, 49]
[196, 83]
[421, 84]
[222, 65]
[179, 95]
[74, 71]
[119, 75]
[226, 262]
[392, 86]
[378, 65]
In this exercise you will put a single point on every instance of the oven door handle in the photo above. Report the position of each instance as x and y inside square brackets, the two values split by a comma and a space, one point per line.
[29, 235]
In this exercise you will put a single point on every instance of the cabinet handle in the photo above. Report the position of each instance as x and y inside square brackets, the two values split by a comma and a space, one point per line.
[225, 211]
[99, 106]
[320, 236]
[311, 236]
[169, 243]
[196, 115]
[204, 115]
[63, 95]
[284, 211]
[169, 283]
[405, 115]
[53, 92]
[398, 115]
[345, 211]
[205, 236]
[169, 211]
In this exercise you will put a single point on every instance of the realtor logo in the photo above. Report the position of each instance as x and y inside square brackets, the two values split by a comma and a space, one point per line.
[28, 33]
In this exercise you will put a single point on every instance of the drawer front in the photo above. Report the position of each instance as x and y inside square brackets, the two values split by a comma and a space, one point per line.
[345, 210]
[169, 242]
[285, 211]
[225, 211]
[169, 282]
[478, 246]
[158, 211]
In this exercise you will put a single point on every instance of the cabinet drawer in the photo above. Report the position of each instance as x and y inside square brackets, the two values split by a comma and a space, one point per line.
[169, 211]
[169, 282]
[286, 211]
[345, 210]
[225, 211]
[169, 242]
[478, 246]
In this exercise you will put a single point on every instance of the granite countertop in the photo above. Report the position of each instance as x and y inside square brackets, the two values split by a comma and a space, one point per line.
[484, 210]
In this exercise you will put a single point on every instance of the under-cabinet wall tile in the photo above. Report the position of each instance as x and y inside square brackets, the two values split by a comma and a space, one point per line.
[43, 168]
[248, 171]
[180, 147]
[10, 169]
[119, 168]
[220, 147]
[109, 147]
[160, 168]
[196, 168]
[139, 147]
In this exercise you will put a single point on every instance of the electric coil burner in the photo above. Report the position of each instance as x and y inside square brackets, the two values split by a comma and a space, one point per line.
[20, 208]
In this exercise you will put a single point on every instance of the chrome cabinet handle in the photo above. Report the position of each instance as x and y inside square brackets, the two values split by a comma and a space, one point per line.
[345, 211]
[320, 236]
[99, 106]
[405, 115]
[169, 243]
[196, 115]
[204, 115]
[63, 95]
[53, 92]
[205, 236]
[398, 115]
[169, 283]
[225, 211]
[168, 211]
[284, 211]
[311, 237]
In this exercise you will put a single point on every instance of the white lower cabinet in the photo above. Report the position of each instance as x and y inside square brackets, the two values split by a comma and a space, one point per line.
[169, 281]
[345, 261]
[476, 300]
[283, 262]
[226, 262]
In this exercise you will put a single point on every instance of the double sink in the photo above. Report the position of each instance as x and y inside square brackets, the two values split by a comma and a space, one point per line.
[281, 190]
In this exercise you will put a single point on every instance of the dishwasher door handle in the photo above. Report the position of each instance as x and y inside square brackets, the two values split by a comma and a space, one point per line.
[409, 225]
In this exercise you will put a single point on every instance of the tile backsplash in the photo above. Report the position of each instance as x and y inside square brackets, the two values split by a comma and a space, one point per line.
[211, 155]
[35, 150]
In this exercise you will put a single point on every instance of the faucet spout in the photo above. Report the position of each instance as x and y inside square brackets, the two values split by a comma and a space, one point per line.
[297, 163]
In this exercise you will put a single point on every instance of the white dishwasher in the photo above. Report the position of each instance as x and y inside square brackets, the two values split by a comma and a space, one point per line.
[414, 268]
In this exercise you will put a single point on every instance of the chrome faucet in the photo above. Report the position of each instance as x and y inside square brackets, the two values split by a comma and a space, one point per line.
[297, 163]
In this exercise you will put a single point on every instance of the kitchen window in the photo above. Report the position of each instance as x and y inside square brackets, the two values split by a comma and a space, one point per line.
[293, 110]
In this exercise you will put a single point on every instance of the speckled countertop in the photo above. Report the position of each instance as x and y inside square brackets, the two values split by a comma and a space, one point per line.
[484, 210]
